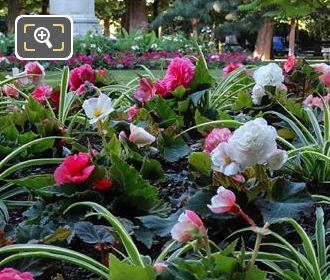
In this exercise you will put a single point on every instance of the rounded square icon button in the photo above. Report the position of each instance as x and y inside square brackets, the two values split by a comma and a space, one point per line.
[43, 37]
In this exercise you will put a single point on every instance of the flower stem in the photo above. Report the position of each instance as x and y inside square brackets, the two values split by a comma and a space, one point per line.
[247, 218]
[256, 249]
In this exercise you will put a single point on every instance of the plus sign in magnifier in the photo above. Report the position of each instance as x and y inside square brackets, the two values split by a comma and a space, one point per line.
[42, 35]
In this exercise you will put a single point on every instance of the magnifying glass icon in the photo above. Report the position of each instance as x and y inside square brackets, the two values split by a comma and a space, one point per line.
[42, 35]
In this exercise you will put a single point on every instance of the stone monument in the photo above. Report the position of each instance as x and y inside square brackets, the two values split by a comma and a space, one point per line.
[82, 13]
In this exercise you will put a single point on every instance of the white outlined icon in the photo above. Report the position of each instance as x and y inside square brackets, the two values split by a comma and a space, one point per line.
[42, 35]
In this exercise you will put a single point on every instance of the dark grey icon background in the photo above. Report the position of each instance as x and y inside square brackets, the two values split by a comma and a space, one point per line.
[57, 38]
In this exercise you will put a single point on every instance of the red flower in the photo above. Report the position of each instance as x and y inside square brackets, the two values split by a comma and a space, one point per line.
[55, 97]
[74, 169]
[80, 75]
[42, 93]
[289, 64]
[103, 184]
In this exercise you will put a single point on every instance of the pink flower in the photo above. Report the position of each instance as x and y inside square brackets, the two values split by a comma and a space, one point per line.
[132, 112]
[325, 78]
[312, 101]
[13, 274]
[230, 68]
[180, 72]
[223, 202]
[74, 169]
[34, 68]
[74, 79]
[161, 88]
[239, 178]
[86, 73]
[81, 89]
[10, 90]
[80, 75]
[146, 91]
[215, 137]
[122, 137]
[189, 226]
[103, 184]
[101, 73]
[290, 63]
[42, 93]
[160, 267]
[321, 67]
[140, 137]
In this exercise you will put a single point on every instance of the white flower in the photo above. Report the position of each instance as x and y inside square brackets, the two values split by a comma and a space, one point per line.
[258, 92]
[222, 160]
[269, 75]
[277, 159]
[140, 137]
[98, 108]
[253, 143]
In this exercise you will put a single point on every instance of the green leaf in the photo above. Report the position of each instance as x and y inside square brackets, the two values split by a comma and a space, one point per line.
[202, 76]
[67, 190]
[42, 146]
[225, 264]
[10, 133]
[254, 273]
[35, 182]
[173, 148]
[134, 190]
[179, 92]
[288, 200]
[26, 137]
[200, 162]
[113, 147]
[243, 101]
[122, 271]
[160, 226]
[61, 234]
[93, 234]
[183, 105]
[152, 170]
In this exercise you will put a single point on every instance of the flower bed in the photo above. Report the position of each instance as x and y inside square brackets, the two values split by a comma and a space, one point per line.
[171, 178]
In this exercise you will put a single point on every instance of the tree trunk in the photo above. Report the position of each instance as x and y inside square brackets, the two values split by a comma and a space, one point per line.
[292, 36]
[44, 7]
[264, 43]
[14, 9]
[194, 22]
[136, 16]
[106, 21]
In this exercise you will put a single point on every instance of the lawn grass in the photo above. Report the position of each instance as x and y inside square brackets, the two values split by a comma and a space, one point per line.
[53, 78]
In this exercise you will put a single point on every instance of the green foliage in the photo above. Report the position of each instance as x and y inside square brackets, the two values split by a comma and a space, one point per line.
[122, 271]
[287, 199]
[133, 189]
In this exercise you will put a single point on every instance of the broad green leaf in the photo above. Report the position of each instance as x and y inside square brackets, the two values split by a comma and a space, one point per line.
[35, 182]
[202, 76]
[225, 265]
[243, 101]
[134, 190]
[200, 162]
[288, 200]
[152, 169]
[93, 234]
[120, 270]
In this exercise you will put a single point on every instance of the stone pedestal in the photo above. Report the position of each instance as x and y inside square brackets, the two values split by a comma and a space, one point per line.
[82, 13]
